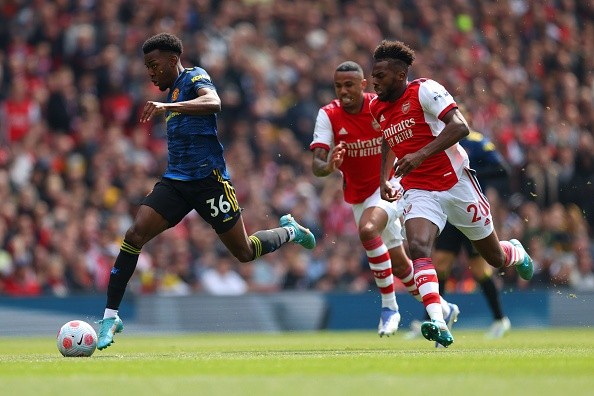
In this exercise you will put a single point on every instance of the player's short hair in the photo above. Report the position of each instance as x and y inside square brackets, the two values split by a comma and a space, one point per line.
[349, 66]
[394, 51]
[163, 42]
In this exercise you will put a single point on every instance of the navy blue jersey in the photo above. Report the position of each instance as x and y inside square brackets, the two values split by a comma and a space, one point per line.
[194, 148]
[484, 157]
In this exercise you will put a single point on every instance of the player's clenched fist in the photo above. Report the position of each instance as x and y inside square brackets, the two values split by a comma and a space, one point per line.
[152, 109]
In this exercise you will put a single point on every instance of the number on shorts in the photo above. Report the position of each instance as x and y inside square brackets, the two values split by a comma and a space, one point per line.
[223, 207]
[482, 208]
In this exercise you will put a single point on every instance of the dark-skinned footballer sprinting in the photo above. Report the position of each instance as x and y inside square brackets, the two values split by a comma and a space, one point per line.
[196, 177]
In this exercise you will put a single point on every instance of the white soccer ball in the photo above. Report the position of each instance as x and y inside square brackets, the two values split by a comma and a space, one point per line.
[77, 338]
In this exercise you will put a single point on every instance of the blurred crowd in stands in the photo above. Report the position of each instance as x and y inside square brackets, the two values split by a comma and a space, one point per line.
[75, 163]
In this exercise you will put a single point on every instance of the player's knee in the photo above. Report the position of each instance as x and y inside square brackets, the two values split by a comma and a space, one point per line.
[136, 237]
[419, 248]
[243, 255]
[368, 231]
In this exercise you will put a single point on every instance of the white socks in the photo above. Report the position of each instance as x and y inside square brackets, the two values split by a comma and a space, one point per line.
[110, 313]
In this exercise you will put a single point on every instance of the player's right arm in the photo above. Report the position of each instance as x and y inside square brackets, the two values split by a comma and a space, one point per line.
[324, 164]
[327, 157]
[206, 102]
[387, 191]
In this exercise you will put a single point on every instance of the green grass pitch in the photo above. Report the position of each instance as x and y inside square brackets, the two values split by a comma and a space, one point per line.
[525, 362]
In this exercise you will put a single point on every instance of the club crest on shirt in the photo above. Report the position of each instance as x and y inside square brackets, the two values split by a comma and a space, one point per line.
[174, 94]
[406, 107]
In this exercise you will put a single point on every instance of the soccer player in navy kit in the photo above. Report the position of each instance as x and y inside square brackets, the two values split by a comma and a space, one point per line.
[196, 177]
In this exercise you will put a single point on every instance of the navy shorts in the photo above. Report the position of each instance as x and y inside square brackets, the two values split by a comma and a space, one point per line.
[212, 197]
[453, 240]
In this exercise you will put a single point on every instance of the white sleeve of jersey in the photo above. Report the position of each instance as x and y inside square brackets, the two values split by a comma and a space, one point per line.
[323, 130]
[434, 98]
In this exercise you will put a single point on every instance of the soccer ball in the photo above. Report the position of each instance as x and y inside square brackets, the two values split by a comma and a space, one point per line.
[77, 338]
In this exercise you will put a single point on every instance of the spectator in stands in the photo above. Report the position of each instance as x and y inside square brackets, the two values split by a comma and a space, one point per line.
[223, 279]
[296, 276]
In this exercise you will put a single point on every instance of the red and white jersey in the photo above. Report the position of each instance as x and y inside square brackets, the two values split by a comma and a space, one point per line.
[412, 122]
[361, 166]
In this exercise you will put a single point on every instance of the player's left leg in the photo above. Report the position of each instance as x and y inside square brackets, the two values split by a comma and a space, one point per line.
[504, 254]
[468, 210]
[298, 233]
[249, 247]
[215, 200]
[483, 274]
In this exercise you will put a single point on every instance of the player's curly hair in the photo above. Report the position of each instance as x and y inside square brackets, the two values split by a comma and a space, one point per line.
[163, 42]
[394, 50]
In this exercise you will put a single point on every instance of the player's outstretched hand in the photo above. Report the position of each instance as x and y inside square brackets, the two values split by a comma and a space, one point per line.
[152, 109]
[337, 156]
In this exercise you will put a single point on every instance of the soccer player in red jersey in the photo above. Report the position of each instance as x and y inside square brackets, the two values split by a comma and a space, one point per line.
[422, 127]
[344, 140]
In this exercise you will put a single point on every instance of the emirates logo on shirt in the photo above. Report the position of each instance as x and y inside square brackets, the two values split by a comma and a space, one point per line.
[406, 107]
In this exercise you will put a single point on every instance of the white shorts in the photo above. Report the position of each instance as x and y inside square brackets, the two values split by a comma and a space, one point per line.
[392, 235]
[464, 206]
